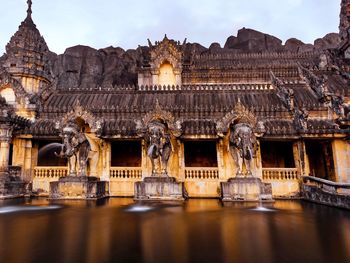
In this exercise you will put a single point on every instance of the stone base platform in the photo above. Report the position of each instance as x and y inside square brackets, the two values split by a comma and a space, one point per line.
[160, 189]
[13, 187]
[250, 189]
[78, 188]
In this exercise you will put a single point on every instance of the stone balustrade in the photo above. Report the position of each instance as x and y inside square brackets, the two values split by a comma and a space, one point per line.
[325, 192]
[50, 172]
[280, 174]
[202, 173]
[126, 173]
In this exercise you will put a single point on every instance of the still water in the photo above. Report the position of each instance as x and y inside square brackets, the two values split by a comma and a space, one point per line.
[116, 230]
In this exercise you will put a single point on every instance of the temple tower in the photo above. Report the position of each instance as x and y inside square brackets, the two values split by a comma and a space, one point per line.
[27, 56]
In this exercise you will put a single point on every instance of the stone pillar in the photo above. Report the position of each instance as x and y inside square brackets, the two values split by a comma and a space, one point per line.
[4, 154]
[300, 158]
[341, 157]
[25, 156]
[145, 166]
[27, 167]
[106, 161]
[5, 138]
[181, 161]
[258, 162]
[220, 158]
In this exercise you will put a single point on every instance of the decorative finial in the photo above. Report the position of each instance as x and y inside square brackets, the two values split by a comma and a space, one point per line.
[29, 10]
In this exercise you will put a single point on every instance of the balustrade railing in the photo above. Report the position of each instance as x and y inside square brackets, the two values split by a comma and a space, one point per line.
[280, 174]
[202, 173]
[327, 186]
[131, 173]
[50, 172]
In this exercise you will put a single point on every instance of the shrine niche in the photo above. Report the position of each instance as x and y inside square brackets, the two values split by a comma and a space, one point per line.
[79, 130]
[159, 129]
[241, 128]
[165, 65]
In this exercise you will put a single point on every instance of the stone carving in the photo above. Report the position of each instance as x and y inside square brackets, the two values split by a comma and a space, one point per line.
[320, 86]
[75, 148]
[79, 112]
[243, 147]
[240, 113]
[300, 119]
[285, 94]
[156, 128]
[159, 148]
[79, 147]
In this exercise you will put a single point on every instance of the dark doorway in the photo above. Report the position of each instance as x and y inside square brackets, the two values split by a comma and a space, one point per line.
[46, 154]
[126, 154]
[320, 159]
[200, 154]
[277, 154]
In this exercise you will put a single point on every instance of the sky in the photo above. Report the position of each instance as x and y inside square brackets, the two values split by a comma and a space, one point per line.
[129, 23]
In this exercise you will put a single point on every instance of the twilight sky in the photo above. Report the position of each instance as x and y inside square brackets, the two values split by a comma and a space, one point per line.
[102, 23]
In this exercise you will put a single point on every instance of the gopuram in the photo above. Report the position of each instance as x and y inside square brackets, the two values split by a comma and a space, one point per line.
[174, 119]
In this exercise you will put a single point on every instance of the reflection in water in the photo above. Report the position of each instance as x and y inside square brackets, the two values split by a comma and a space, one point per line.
[117, 230]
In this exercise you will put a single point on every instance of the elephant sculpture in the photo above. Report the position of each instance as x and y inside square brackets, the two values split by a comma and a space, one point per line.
[243, 147]
[78, 149]
[159, 148]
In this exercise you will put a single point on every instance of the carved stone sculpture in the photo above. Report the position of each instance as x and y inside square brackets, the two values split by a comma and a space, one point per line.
[76, 148]
[159, 147]
[243, 147]
[300, 119]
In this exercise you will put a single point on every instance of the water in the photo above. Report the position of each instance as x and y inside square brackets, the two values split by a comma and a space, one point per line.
[117, 230]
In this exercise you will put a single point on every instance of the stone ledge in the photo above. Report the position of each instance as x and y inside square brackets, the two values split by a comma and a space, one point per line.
[78, 188]
[246, 189]
[316, 195]
[160, 189]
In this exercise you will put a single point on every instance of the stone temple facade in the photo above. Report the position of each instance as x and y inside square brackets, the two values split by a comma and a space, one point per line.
[255, 107]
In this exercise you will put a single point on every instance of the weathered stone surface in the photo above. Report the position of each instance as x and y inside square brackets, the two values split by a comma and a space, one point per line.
[246, 189]
[83, 66]
[252, 40]
[78, 187]
[329, 41]
[293, 45]
[11, 186]
[160, 188]
[315, 194]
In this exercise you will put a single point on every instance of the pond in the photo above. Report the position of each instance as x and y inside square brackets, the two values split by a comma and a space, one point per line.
[117, 230]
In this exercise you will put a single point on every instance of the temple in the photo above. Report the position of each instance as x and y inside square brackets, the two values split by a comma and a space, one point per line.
[203, 116]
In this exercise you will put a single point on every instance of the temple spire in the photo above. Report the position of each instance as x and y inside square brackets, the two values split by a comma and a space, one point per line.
[29, 10]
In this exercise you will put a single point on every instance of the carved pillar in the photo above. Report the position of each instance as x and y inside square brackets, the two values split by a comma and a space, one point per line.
[27, 167]
[5, 138]
[258, 161]
[301, 159]
[220, 157]
[341, 157]
[106, 161]
[25, 156]
[145, 162]
[181, 151]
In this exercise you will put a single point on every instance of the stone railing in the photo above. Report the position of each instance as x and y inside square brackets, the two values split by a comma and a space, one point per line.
[202, 173]
[280, 174]
[50, 172]
[325, 192]
[126, 173]
[327, 186]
